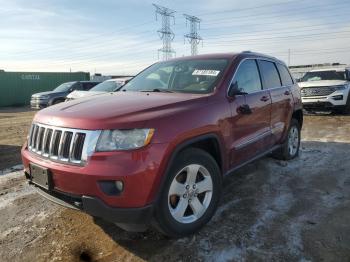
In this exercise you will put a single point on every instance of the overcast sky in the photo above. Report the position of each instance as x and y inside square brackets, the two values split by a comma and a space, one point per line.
[120, 37]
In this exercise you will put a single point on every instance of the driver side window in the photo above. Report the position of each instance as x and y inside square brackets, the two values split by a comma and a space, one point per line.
[247, 78]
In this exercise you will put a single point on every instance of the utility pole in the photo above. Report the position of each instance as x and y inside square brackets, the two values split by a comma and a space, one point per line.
[165, 33]
[193, 37]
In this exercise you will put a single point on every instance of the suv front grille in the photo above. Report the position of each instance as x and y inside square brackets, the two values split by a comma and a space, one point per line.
[317, 91]
[62, 144]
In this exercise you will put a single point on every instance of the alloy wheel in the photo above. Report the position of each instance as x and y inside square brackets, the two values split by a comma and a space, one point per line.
[190, 193]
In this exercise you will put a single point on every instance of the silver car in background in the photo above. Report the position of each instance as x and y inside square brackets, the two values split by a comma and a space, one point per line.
[109, 85]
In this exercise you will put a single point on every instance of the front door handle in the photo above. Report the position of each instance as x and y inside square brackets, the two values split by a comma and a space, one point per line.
[244, 109]
[287, 93]
[264, 98]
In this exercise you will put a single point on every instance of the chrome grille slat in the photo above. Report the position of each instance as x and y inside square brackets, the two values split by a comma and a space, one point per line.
[60, 147]
[31, 135]
[71, 146]
[35, 133]
[43, 142]
[317, 91]
[38, 139]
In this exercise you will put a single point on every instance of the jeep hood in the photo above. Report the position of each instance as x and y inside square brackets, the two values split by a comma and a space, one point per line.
[117, 110]
[322, 83]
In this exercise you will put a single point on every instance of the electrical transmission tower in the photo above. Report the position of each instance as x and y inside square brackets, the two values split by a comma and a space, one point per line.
[193, 37]
[165, 33]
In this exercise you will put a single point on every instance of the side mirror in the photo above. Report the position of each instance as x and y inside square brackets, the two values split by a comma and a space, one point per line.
[235, 90]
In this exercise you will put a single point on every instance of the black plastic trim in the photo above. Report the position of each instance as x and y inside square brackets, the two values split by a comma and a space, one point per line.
[97, 208]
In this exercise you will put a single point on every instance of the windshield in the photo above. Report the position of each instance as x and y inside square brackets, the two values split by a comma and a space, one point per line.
[189, 76]
[324, 75]
[107, 86]
[64, 87]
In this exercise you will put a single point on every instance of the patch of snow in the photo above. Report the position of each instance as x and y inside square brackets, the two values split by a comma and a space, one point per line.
[231, 254]
[8, 198]
[9, 176]
[15, 229]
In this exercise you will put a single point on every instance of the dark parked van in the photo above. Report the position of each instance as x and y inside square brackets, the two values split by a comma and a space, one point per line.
[58, 95]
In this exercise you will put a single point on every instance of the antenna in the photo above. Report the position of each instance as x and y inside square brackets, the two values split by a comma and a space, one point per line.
[193, 37]
[165, 33]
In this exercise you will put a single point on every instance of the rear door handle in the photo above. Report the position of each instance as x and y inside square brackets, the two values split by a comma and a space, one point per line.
[264, 98]
[244, 109]
[287, 93]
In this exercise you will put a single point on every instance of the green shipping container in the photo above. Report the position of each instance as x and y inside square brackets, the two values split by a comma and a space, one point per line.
[16, 88]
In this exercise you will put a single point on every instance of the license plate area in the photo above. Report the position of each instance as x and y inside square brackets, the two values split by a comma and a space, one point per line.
[40, 176]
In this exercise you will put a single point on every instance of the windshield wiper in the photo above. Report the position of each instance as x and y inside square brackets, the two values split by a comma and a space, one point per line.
[158, 90]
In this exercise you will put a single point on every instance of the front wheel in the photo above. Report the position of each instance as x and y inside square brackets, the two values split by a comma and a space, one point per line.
[190, 195]
[290, 148]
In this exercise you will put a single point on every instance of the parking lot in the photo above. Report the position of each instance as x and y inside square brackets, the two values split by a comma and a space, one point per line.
[270, 211]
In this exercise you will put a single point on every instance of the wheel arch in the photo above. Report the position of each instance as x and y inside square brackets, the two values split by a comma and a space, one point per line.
[211, 139]
[298, 115]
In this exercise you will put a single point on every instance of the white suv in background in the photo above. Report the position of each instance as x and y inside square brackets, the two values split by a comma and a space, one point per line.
[326, 89]
[109, 85]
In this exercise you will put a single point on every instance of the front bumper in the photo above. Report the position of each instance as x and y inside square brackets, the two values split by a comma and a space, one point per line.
[139, 170]
[336, 99]
[36, 103]
[97, 208]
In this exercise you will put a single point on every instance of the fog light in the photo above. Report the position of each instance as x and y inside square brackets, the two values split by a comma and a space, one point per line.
[111, 188]
[339, 97]
[119, 185]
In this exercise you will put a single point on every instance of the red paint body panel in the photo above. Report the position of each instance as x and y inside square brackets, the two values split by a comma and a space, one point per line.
[176, 118]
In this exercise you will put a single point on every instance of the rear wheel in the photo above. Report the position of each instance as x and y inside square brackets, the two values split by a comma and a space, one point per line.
[191, 194]
[290, 147]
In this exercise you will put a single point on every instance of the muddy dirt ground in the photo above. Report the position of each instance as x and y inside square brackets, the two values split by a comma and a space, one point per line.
[271, 210]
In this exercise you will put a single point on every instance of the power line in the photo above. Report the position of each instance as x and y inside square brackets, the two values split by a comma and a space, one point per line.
[297, 10]
[193, 37]
[165, 33]
[282, 37]
[273, 32]
[252, 8]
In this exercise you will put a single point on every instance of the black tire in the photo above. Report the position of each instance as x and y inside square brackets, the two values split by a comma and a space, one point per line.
[163, 219]
[283, 153]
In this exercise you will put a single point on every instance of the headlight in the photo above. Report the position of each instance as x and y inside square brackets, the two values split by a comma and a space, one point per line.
[111, 140]
[341, 87]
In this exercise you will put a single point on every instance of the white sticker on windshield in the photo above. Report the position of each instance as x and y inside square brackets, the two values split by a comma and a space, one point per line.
[198, 72]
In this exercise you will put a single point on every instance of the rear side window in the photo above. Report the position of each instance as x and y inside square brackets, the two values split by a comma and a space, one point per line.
[247, 77]
[269, 73]
[78, 86]
[285, 76]
[88, 86]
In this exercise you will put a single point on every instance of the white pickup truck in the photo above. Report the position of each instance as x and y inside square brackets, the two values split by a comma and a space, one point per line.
[326, 89]
[109, 85]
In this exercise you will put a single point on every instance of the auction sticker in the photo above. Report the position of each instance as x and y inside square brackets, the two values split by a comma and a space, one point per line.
[198, 72]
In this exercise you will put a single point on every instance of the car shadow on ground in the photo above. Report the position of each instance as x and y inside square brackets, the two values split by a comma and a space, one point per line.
[10, 155]
[270, 209]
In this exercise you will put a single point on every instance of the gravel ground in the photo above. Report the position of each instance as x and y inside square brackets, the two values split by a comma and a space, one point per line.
[271, 210]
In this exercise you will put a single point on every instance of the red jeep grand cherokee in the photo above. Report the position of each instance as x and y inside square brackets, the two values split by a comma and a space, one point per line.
[156, 151]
